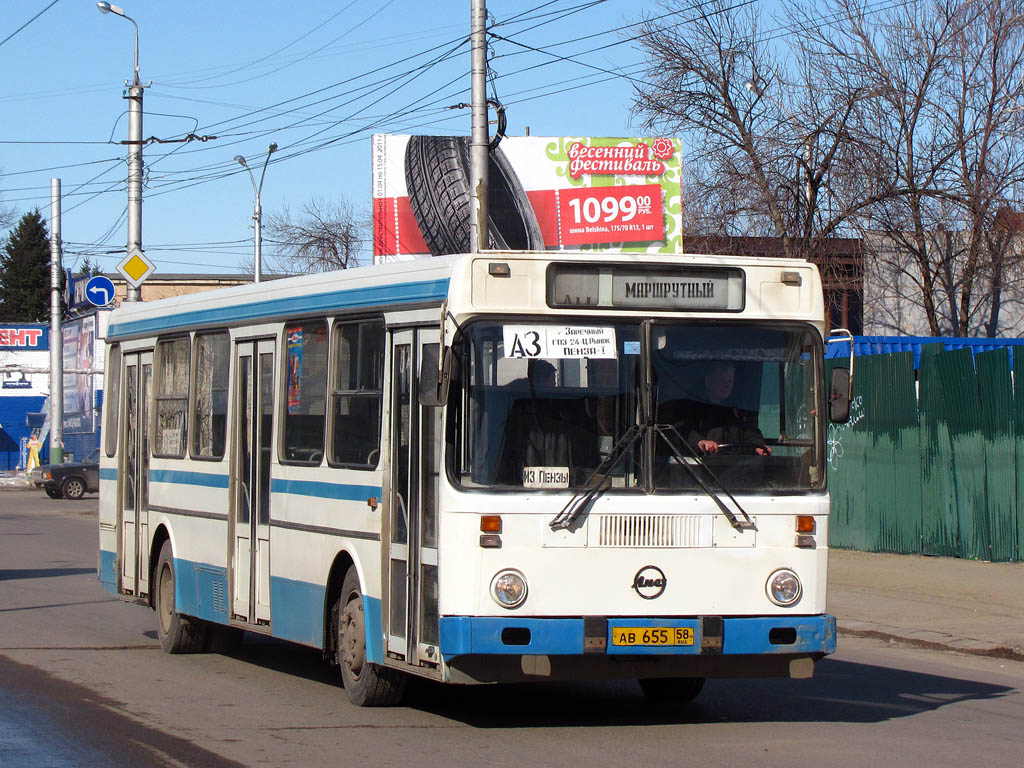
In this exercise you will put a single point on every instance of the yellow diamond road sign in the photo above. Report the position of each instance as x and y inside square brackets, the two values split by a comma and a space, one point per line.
[135, 267]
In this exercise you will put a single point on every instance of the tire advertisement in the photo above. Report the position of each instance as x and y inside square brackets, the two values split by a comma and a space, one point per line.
[605, 195]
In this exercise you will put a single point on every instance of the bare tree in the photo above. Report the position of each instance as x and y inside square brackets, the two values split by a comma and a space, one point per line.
[325, 236]
[898, 124]
[773, 144]
[944, 135]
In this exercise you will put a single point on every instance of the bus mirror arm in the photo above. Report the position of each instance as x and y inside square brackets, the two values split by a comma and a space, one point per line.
[841, 384]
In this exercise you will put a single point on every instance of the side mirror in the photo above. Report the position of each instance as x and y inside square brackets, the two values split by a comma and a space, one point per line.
[434, 374]
[839, 396]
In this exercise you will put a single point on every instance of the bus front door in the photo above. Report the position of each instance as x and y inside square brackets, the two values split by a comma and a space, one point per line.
[415, 441]
[254, 428]
[133, 474]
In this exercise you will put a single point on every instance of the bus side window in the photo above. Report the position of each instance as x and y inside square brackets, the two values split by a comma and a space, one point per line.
[172, 359]
[306, 382]
[209, 423]
[356, 393]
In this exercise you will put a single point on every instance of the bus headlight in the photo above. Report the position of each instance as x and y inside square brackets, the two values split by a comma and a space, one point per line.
[784, 588]
[508, 588]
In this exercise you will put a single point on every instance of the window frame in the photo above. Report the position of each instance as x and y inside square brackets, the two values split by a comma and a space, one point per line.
[156, 434]
[193, 430]
[333, 392]
[282, 411]
[112, 407]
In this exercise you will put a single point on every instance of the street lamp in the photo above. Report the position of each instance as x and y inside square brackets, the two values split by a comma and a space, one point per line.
[135, 90]
[257, 212]
[108, 8]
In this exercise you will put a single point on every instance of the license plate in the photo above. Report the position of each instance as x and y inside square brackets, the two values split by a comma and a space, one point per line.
[652, 636]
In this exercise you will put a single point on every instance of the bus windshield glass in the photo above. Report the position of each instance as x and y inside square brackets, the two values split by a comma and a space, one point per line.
[545, 406]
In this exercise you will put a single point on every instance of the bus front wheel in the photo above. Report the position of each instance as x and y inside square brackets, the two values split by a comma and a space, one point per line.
[177, 633]
[367, 684]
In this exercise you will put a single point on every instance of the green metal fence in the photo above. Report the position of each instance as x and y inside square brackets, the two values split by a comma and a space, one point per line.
[933, 471]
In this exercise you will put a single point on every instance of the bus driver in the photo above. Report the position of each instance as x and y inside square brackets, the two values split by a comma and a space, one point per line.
[717, 424]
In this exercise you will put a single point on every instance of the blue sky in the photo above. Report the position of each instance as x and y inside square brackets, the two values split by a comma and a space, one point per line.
[317, 78]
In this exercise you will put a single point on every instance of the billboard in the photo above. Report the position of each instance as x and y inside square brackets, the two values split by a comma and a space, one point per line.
[79, 343]
[606, 195]
[24, 337]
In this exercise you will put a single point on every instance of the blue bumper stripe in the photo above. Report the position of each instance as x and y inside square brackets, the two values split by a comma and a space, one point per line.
[462, 635]
[466, 634]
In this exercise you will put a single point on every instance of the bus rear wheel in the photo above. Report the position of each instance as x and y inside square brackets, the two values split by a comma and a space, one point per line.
[678, 689]
[367, 684]
[177, 633]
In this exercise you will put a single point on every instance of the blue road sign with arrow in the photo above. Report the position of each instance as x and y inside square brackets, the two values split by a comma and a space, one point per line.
[99, 290]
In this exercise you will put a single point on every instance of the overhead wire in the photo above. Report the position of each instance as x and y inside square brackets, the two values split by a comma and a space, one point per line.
[310, 143]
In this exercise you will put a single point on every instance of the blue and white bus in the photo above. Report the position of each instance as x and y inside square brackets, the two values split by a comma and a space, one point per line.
[481, 468]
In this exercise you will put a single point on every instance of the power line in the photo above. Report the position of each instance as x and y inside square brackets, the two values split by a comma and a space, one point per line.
[29, 21]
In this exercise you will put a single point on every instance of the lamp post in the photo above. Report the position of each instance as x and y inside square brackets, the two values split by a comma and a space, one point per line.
[257, 211]
[134, 142]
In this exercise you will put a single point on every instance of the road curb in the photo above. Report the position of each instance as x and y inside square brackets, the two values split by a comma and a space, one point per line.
[931, 639]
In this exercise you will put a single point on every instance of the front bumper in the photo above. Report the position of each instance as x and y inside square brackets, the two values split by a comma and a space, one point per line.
[711, 636]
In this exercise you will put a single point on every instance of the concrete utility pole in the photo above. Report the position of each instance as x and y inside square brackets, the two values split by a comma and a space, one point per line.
[135, 89]
[478, 158]
[56, 336]
[134, 176]
[257, 211]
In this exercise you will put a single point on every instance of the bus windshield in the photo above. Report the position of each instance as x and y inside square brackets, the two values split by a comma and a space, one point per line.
[541, 406]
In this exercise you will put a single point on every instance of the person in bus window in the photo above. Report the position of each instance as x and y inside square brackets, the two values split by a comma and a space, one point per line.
[716, 423]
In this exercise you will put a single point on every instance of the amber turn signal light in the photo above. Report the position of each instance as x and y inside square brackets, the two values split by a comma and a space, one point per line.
[805, 524]
[490, 524]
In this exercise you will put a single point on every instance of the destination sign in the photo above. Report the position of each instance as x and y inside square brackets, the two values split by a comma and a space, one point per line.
[655, 290]
[626, 287]
[558, 341]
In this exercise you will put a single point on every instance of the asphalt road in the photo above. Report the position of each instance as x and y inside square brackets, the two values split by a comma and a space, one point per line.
[83, 682]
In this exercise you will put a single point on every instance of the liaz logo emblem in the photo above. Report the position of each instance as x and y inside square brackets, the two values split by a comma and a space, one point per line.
[649, 582]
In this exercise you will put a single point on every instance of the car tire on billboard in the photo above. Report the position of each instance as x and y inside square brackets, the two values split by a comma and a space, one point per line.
[437, 175]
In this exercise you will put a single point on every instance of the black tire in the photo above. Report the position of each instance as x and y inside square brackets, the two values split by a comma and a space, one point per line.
[177, 633]
[367, 684]
[437, 177]
[73, 488]
[677, 689]
[52, 491]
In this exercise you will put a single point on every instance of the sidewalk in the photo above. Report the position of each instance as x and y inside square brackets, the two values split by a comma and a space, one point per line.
[929, 601]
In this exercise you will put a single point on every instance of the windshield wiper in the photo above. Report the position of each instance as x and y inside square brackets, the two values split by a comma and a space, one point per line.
[597, 482]
[743, 522]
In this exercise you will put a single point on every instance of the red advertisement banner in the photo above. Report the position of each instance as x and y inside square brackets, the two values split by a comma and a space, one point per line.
[610, 214]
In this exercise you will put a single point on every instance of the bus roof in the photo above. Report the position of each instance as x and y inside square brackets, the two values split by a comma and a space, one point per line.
[407, 284]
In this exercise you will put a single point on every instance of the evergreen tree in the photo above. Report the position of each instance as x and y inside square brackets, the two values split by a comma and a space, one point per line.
[25, 272]
[87, 269]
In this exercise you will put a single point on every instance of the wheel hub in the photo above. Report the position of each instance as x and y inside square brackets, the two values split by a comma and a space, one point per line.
[353, 650]
[166, 598]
